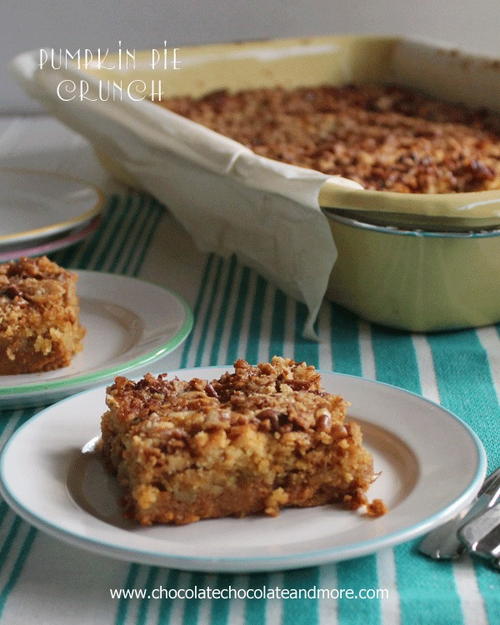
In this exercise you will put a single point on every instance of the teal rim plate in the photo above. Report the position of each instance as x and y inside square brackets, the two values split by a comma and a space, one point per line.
[129, 323]
[431, 466]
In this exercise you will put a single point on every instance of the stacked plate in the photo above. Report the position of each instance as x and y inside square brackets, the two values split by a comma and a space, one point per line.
[42, 212]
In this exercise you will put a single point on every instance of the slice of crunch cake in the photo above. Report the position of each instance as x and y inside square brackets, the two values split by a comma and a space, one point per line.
[40, 327]
[256, 440]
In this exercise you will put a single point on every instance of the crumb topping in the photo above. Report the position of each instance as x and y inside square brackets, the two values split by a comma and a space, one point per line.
[280, 397]
[28, 289]
[387, 138]
[376, 508]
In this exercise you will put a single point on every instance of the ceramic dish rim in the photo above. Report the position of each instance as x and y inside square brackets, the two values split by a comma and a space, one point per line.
[413, 232]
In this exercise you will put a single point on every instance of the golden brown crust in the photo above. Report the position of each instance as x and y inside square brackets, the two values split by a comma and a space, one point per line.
[385, 137]
[39, 316]
[256, 440]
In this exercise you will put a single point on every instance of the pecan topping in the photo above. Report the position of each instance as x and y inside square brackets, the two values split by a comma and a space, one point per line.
[388, 138]
[271, 416]
[339, 431]
[273, 420]
[324, 421]
[11, 291]
[210, 391]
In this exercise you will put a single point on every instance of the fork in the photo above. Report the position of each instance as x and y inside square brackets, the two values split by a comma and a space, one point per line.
[481, 535]
[443, 542]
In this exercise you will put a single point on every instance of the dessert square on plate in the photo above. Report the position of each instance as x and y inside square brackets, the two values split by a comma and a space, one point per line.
[251, 441]
[39, 316]
[72, 496]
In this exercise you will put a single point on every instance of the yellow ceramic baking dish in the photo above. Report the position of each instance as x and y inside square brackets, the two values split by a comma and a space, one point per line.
[415, 279]
[424, 262]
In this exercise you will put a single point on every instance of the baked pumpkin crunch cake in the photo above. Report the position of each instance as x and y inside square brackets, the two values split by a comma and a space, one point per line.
[39, 316]
[255, 440]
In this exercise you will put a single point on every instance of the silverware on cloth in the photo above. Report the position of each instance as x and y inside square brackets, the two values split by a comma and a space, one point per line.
[444, 543]
[482, 534]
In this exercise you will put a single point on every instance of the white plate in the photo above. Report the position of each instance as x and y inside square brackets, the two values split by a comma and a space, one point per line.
[50, 244]
[129, 323]
[432, 465]
[50, 203]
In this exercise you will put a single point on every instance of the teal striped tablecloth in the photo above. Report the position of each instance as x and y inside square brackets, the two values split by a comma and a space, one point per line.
[238, 314]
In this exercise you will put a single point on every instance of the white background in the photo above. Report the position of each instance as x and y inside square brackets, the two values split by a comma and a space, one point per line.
[28, 24]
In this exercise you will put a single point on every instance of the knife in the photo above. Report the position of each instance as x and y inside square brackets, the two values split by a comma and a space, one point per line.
[443, 542]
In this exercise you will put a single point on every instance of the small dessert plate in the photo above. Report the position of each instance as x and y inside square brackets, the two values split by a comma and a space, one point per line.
[46, 245]
[129, 323]
[431, 466]
[50, 203]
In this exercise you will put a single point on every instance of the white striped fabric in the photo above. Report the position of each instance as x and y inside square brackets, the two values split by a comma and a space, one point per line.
[238, 314]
